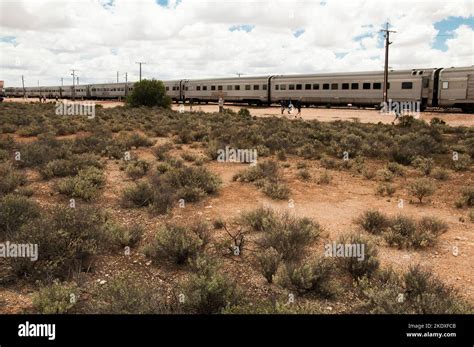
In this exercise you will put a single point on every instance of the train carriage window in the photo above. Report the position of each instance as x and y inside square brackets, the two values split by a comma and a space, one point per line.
[247, 87]
[198, 88]
[219, 87]
[307, 86]
[407, 85]
[299, 86]
[264, 87]
[204, 87]
[316, 86]
[445, 84]
[277, 87]
[282, 86]
[213, 87]
[291, 87]
[256, 87]
[334, 86]
[237, 87]
[326, 86]
[376, 85]
[186, 88]
[345, 86]
[366, 85]
[229, 87]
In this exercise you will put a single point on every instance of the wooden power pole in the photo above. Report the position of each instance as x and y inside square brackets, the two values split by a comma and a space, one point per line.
[385, 72]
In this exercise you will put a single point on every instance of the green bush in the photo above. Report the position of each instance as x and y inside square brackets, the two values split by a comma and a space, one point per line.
[313, 276]
[324, 178]
[86, 185]
[467, 197]
[127, 293]
[139, 195]
[67, 239]
[269, 260]
[56, 298]
[149, 93]
[373, 221]
[161, 151]
[385, 189]
[290, 235]
[462, 163]
[178, 244]
[421, 188]
[276, 190]
[355, 266]
[120, 237]
[415, 292]
[137, 168]
[304, 174]
[440, 174]
[260, 219]
[425, 165]
[11, 179]
[16, 211]
[207, 291]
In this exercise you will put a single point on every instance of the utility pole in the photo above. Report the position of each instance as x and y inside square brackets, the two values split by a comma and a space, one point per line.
[73, 85]
[77, 80]
[62, 84]
[239, 74]
[140, 63]
[117, 77]
[385, 72]
[126, 85]
[23, 84]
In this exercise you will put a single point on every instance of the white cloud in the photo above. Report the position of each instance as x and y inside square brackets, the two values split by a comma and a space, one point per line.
[191, 38]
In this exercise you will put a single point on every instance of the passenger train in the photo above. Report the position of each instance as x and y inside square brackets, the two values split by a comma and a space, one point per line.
[433, 87]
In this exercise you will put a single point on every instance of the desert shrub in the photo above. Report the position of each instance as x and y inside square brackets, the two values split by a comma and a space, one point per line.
[149, 93]
[86, 185]
[269, 260]
[328, 163]
[70, 167]
[290, 235]
[373, 221]
[67, 239]
[355, 266]
[218, 223]
[400, 231]
[139, 195]
[324, 178]
[137, 168]
[161, 151]
[304, 174]
[368, 173]
[189, 156]
[437, 121]
[119, 236]
[440, 174]
[260, 219]
[126, 293]
[16, 211]
[281, 155]
[462, 163]
[276, 190]
[396, 169]
[276, 307]
[309, 151]
[207, 291]
[385, 189]
[384, 175]
[415, 292]
[192, 183]
[56, 298]
[11, 178]
[313, 276]
[178, 244]
[134, 140]
[425, 165]
[421, 188]
[263, 170]
[405, 232]
[467, 197]
[471, 215]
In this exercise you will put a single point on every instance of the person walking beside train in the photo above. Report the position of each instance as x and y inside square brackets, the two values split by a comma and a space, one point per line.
[298, 107]
[282, 105]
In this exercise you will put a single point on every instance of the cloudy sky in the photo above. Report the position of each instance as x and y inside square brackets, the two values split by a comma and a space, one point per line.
[44, 39]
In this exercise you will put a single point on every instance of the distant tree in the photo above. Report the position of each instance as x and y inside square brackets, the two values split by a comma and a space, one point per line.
[149, 93]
